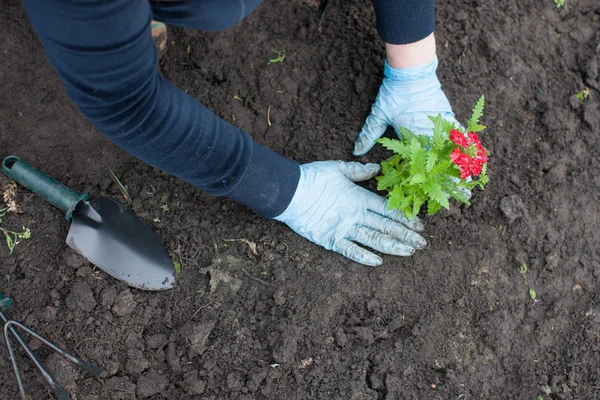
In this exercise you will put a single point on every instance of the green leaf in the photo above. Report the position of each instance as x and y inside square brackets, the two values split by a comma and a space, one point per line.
[447, 126]
[9, 242]
[433, 206]
[438, 133]
[436, 193]
[477, 113]
[477, 128]
[416, 179]
[406, 135]
[418, 157]
[445, 167]
[388, 179]
[418, 201]
[395, 197]
[532, 294]
[431, 160]
[394, 145]
[454, 191]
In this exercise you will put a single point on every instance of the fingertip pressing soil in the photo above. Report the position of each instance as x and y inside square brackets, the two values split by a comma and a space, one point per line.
[454, 321]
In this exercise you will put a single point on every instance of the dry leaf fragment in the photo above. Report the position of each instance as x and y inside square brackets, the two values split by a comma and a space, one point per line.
[306, 363]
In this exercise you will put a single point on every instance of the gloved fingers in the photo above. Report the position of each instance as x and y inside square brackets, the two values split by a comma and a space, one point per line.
[379, 241]
[466, 192]
[378, 205]
[395, 230]
[356, 253]
[374, 128]
[357, 172]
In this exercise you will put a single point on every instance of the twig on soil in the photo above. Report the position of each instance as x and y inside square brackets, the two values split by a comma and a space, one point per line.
[200, 309]
[250, 244]
[249, 275]
[269, 115]
[121, 390]
[84, 340]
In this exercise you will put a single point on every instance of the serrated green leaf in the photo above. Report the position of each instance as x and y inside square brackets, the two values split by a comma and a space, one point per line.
[477, 128]
[416, 179]
[432, 158]
[388, 179]
[425, 141]
[392, 144]
[454, 191]
[418, 157]
[418, 201]
[435, 191]
[394, 160]
[438, 133]
[445, 167]
[395, 197]
[477, 113]
[433, 206]
[447, 126]
[406, 135]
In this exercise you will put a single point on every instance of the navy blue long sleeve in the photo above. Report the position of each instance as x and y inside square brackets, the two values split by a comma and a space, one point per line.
[404, 21]
[105, 56]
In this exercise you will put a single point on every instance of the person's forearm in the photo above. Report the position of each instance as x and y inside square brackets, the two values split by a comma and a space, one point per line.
[411, 55]
[105, 56]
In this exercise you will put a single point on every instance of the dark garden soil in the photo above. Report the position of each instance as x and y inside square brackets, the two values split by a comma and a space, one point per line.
[455, 321]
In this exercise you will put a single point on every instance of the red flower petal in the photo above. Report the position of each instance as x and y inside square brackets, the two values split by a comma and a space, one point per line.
[458, 138]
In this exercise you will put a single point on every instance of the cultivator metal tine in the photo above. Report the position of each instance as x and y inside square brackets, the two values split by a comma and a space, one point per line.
[91, 368]
[59, 391]
[9, 329]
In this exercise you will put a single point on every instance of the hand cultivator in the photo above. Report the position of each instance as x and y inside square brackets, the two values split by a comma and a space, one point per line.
[9, 329]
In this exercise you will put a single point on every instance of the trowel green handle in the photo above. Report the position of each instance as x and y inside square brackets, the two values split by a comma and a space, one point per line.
[41, 184]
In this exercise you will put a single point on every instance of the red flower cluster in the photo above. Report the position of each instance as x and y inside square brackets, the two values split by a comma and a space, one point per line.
[470, 155]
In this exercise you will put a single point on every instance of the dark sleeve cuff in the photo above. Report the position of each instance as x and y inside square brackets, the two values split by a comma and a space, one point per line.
[404, 21]
[268, 184]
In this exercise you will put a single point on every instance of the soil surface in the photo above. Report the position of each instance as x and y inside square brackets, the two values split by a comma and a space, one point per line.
[294, 321]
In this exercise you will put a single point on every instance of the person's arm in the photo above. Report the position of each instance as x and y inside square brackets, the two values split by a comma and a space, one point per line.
[104, 54]
[410, 91]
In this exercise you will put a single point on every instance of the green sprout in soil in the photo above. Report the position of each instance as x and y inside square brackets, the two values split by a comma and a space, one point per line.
[532, 292]
[523, 271]
[14, 238]
[177, 266]
[583, 94]
[124, 191]
[559, 3]
[280, 57]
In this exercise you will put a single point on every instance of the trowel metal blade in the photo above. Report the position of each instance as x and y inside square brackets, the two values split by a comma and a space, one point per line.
[119, 243]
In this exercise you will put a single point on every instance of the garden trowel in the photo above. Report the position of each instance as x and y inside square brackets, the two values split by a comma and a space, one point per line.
[103, 231]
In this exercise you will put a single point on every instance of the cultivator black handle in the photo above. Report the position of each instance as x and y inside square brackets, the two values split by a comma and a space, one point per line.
[41, 184]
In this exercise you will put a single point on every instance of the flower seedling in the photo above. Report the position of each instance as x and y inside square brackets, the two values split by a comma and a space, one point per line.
[583, 94]
[431, 169]
[279, 58]
[14, 238]
[559, 3]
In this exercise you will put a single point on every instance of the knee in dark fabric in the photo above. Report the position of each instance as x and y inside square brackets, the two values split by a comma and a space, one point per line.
[203, 15]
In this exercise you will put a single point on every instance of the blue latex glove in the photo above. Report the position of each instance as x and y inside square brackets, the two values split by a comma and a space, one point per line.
[329, 209]
[406, 98]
